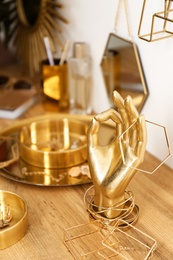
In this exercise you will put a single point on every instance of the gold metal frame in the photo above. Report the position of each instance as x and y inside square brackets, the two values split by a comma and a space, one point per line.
[109, 243]
[140, 98]
[164, 16]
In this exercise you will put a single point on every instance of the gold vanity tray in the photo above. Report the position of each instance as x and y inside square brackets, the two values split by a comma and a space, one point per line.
[21, 171]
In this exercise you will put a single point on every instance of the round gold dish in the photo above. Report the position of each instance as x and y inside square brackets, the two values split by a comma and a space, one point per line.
[18, 224]
[54, 143]
[21, 171]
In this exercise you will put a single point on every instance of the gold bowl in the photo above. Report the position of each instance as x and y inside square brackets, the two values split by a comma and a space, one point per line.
[54, 143]
[17, 218]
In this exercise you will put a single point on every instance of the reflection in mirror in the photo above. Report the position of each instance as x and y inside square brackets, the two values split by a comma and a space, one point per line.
[30, 10]
[122, 70]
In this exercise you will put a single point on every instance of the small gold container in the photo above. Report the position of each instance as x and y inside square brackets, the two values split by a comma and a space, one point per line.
[55, 81]
[18, 224]
[54, 143]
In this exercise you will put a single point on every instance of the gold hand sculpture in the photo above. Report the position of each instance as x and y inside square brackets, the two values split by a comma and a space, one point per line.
[109, 174]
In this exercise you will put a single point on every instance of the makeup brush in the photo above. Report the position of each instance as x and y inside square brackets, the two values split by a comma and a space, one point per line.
[48, 51]
[64, 53]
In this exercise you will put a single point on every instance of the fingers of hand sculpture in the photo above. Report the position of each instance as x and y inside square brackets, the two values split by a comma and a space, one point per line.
[141, 138]
[133, 155]
[118, 100]
[92, 133]
[132, 114]
[131, 109]
[109, 114]
[120, 105]
[96, 122]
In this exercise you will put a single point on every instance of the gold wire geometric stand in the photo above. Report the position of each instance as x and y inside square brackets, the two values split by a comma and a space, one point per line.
[103, 238]
[130, 244]
[164, 17]
[93, 241]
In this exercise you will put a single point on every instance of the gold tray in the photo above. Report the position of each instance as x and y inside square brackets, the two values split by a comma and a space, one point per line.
[21, 171]
[18, 224]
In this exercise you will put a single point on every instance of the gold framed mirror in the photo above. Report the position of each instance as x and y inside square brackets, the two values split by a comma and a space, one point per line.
[122, 70]
[29, 21]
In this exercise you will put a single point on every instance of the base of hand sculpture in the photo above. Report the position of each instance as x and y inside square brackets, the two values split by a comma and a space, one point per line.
[109, 174]
[126, 211]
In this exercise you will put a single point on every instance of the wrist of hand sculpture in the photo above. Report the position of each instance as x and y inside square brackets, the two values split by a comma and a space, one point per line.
[109, 174]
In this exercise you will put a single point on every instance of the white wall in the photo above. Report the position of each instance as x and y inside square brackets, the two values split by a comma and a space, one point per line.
[92, 21]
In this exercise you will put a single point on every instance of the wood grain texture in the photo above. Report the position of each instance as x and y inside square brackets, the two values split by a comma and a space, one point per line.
[53, 209]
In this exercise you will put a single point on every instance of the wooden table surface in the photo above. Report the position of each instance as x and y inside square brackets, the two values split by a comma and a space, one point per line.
[53, 209]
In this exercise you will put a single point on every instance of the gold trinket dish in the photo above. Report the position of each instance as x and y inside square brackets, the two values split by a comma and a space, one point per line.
[54, 143]
[13, 218]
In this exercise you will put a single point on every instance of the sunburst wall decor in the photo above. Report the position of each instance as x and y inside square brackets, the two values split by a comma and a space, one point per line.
[29, 21]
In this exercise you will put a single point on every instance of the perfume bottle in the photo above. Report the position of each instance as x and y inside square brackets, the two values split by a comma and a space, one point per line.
[80, 79]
